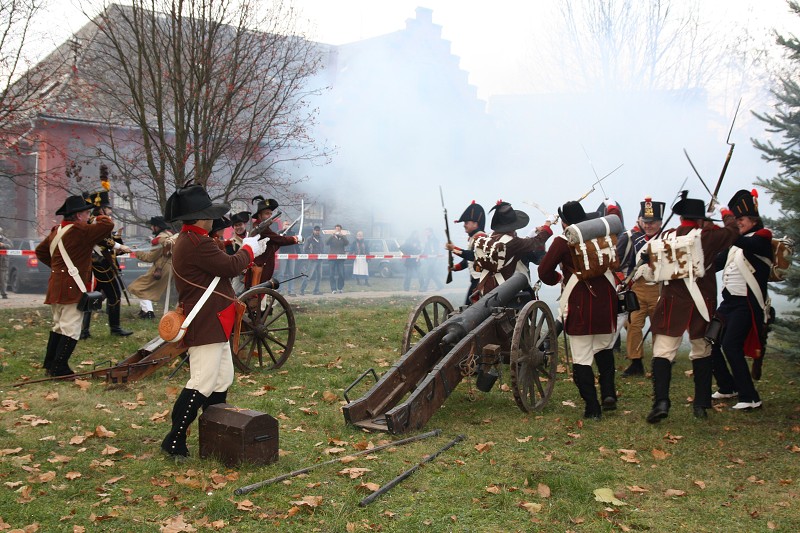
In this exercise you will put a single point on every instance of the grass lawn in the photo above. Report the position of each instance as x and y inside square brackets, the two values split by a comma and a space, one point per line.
[84, 456]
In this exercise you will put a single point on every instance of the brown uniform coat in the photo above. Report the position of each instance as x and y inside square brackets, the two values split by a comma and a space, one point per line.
[198, 259]
[592, 305]
[515, 249]
[267, 259]
[79, 241]
[146, 287]
[675, 311]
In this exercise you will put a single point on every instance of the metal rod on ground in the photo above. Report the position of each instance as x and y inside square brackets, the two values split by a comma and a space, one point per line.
[372, 497]
[250, 488]
[177, 367]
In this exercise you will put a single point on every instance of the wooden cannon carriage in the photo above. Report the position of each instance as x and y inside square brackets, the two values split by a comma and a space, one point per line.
[507, 326]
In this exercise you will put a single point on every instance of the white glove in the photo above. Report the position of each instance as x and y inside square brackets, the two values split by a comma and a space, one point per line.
[716, 214]
[300, 239]
[258, 246]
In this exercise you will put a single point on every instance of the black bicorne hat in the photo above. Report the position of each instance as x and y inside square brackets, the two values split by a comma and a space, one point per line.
[690, 208]
[650, 210]
[572, 213]
[506, 218]
[192, 202]
[220, 224]
[744, 203]
[264, 203]
[473, 213]
[159, 222]
[74, 204]
[241, 216]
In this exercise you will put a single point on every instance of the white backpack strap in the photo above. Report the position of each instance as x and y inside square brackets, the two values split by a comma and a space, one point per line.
[564, 298]
[697, 297]
[200, 303]
[744, 267]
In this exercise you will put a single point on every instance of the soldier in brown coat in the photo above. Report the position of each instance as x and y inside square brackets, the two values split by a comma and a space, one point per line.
[266, 262]
[196, 261]
[590, 321]
[152, 284]
[677, 312]
[63, 291]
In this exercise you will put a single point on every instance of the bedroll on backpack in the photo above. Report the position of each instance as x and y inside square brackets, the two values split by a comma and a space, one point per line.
[782, 252]
[674, 257]
[593, 246]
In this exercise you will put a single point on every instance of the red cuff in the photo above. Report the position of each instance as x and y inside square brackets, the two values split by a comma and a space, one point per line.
[457, 267]
[249, 251]
[725, 212]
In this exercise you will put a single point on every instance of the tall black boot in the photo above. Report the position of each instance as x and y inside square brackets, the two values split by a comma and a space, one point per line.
[583, 376]
[215, 398]
[608, 390]
[87, 321]
[50, 355]
[702, 370]
[662, 375]
[66, 345]
[113, 321]
[184, 412]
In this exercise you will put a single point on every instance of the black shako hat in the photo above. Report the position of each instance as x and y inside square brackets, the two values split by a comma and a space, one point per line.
[473, 213]
[744, 203]
[74, 204]
[97, 199]
[691, 209]
[264, 203]
[192, 202]
[159, 222]
[572, 213]
[220, 224]
[241, 216]
[507, 219]
[650, 210]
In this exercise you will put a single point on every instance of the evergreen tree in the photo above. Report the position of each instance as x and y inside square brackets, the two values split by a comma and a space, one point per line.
[785, 186]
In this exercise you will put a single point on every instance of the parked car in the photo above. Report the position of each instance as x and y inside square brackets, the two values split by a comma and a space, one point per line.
[25, 272]
[385, 268]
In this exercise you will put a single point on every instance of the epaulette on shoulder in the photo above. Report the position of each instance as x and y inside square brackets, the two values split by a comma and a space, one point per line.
[765, 233]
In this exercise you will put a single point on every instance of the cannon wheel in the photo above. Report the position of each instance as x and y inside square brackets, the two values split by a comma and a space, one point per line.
[534, 356]
[428, 314]
[268, 331]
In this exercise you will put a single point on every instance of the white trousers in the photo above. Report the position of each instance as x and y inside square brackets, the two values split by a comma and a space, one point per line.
[583, 347]
[667, 347]
[211, 367]
[67, 320]
[146, 306]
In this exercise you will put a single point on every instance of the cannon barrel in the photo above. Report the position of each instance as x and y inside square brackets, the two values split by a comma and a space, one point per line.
[458, 326]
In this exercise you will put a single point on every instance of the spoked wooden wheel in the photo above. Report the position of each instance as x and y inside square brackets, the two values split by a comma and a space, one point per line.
[428, 314]
[534, 356]
[268, 331]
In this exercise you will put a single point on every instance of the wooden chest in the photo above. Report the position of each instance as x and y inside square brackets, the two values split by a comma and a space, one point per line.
[235, 435]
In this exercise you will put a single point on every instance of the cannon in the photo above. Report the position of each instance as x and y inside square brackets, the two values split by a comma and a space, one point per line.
[509, 325]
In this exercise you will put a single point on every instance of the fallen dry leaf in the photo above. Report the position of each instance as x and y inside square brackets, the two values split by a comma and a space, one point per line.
[109, 450]
[700, 484]
[606, 495]
[308, 501]
[103, 433]
[543, 490]
[532, 508]
[484, 446]
[674, 492]
[329, 397]
[637, 488]
[371, 487]
[494, 489]
[526, 439]
[82, 384]
[659, 455]
[354, 472]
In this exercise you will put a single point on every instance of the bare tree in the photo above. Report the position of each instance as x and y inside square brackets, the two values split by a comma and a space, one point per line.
[214, 91]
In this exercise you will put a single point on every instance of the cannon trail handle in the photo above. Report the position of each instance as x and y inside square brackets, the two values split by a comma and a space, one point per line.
[358, 380]
[372, 497]
[250, 488]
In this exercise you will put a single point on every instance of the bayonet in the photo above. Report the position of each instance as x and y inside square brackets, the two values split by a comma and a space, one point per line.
[713, 196]
[590, 191]
[727, 159]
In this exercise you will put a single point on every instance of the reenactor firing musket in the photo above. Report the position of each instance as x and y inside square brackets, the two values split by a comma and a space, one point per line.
[447, 234]
[259, 230]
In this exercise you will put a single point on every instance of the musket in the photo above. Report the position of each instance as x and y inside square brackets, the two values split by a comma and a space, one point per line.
[250, 488]
[105, 370]
[727, 159]
[590, 191]
[447, 233]
[372, 497]
[263, 226]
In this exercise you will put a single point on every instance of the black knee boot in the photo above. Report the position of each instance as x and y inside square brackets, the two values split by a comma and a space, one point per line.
[583, 376]
[50, 354]
[184, 412]
[87, 321]
[113, 321]
[608, 390]
[702, 370]
[66, 345]
[215, 398]
[662, 375]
